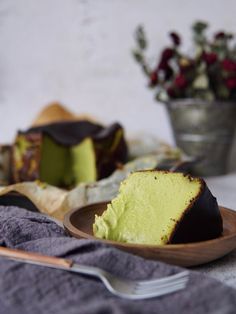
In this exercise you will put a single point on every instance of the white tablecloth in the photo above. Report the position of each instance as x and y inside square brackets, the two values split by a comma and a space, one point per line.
[224, 188]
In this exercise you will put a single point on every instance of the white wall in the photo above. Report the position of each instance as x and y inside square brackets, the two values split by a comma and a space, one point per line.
[78, 52]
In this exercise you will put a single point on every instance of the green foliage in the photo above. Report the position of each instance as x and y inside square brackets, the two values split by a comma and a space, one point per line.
[199, 27]
[141, 38]
[208, 74]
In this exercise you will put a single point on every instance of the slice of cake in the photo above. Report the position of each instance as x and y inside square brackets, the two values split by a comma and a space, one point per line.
[158, 207]
[67, 153]
[5, 164]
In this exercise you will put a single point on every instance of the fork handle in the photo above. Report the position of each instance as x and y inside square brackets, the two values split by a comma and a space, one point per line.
[35, 258]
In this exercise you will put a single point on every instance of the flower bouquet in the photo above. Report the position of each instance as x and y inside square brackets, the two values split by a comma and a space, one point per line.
[209, 73]
[199, 90]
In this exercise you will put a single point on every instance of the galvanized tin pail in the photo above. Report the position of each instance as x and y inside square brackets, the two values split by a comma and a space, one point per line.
[204, 130]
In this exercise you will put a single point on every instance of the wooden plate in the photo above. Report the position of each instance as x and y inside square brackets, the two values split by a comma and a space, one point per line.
[79, 223]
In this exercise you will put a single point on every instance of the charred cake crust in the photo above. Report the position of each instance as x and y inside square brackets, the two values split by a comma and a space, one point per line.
[201, 219]
[5, 164]
[73, 133]
[29, 167]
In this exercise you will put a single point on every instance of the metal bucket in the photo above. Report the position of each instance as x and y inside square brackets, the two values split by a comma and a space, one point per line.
[204, 130]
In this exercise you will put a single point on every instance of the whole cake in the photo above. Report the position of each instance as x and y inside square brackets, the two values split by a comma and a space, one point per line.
[67, 153]
[160, 207]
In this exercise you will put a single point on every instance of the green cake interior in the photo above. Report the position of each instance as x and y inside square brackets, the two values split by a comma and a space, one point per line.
[55, 163]
[147, 208]
[65, 166]
[61, 165]
[84, 162]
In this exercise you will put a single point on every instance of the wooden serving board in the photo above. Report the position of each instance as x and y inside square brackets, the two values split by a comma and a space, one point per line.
[79, 223]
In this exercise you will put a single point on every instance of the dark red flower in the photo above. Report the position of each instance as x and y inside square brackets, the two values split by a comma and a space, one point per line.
[209, 57]
[171, 91]
[165, 67]
[180, 81]
[229, 65]
[153, 78]
[231, 82]
[186, 65]
[220, 35]
[175, 38]
[168, 72]
[167, 54]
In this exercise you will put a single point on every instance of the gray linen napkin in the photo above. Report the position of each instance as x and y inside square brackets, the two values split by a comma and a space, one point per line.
[29, 289]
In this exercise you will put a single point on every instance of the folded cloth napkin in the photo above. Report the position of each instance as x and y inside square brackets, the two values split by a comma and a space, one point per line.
[27, 289]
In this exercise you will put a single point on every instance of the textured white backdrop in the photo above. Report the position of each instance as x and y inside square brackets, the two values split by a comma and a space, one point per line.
[79, 52]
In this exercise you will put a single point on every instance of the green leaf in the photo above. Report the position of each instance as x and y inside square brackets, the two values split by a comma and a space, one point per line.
[222, 92]
[199, 27]
[229, 36]
[162, 96]
[137, 56]
[146, 70]
[201, 82]
[141, 38]
[204, 94]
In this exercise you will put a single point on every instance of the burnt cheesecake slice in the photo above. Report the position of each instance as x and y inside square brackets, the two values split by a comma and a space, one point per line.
[68, 153]
[5, 164]
[160, 207]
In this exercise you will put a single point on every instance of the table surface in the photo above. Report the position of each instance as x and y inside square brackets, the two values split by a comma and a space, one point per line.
[224, 269]
[224, 188]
